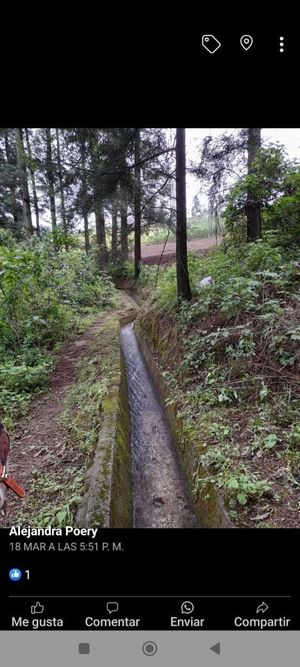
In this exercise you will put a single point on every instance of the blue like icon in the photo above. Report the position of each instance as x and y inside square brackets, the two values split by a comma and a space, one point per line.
[15, 574]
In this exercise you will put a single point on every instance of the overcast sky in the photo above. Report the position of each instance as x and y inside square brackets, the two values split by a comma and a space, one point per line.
[290, 137]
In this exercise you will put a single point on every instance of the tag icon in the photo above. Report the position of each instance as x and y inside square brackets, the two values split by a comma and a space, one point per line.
[246, 42]
[210, 43]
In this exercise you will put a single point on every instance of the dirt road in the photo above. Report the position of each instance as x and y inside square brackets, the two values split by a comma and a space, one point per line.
[151, 253]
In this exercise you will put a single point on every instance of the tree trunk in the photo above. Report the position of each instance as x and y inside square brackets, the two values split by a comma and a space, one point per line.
[253, 206]
[31, 170]
[61, 190]
[137, 206]
[124, 230]
[98, 204]
[100, 235]
[86, 233]
[50, 179]
[84, 199]
[183, 283]
[12, 164]
[23, 181]
[114, 231]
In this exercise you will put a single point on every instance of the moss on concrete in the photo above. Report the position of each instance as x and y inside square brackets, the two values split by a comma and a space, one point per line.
[121, 488]
[107, 501]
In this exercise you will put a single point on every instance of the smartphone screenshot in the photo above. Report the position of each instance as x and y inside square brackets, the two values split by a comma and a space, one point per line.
[150, 367]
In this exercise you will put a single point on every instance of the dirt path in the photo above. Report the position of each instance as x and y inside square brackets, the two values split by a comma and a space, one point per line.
[39, 443]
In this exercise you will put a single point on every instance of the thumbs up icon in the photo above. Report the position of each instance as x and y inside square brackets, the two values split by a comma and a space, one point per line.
[37, 608]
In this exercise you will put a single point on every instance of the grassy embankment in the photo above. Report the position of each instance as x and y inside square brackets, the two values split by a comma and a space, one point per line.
[231, 357]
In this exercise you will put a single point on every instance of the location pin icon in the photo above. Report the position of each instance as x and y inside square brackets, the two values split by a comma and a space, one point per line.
[246, 42]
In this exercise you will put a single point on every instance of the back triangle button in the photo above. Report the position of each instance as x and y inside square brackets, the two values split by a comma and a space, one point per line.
[216, 648]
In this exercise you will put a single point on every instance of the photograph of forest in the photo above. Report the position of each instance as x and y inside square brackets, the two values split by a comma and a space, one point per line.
[150, 327]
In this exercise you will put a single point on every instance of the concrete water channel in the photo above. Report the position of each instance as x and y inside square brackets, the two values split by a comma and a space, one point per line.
[160, 494]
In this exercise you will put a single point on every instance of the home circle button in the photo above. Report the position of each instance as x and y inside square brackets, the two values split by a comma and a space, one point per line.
[149, 648]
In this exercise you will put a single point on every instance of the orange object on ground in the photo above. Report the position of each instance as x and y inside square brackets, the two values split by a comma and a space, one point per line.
[11, 483]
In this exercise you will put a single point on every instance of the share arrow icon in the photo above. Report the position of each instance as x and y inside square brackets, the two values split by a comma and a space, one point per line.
[262, 608]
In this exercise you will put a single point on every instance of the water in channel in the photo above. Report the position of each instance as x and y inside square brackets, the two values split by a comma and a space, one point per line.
[160, 495]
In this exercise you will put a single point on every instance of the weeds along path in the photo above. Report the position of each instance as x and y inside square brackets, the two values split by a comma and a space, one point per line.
[43, 458]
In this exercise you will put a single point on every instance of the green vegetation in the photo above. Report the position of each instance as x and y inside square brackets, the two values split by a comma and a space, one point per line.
[231, 359]
[239, 376]
[46, 295]
[276, 184]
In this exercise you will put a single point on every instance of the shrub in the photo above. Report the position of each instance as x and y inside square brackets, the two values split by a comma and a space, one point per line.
[43, 290]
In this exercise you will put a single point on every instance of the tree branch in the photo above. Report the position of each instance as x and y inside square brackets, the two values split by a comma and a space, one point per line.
[156, 193]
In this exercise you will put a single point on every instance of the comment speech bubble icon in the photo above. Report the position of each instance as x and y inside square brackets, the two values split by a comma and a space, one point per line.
[112, 607]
